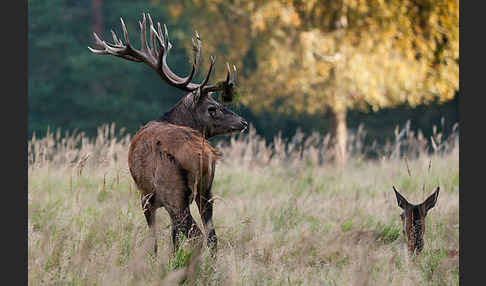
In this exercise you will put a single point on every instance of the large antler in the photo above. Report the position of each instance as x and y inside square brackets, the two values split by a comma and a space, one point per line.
[156, 58]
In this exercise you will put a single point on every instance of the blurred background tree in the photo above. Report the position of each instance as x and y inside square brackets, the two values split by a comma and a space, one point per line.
[313, 65]
[71, 88]
[327, 57]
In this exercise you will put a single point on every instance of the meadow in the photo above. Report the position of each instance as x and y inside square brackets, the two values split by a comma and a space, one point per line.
[283, 214]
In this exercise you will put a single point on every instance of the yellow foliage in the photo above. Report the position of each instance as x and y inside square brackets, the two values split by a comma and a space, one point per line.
[175, 10]
[343, 54]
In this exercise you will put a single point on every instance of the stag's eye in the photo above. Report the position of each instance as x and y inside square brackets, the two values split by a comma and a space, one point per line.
[212, 110]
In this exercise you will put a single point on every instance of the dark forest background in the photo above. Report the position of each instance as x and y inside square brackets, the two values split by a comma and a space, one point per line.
[72, 89]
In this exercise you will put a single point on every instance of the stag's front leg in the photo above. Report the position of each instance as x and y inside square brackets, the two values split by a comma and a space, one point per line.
[205, 205]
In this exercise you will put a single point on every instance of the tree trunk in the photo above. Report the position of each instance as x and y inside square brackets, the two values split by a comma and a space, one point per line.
[338, 136]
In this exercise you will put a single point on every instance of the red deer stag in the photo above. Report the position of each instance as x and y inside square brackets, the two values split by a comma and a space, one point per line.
[170, 159]
[413, 220]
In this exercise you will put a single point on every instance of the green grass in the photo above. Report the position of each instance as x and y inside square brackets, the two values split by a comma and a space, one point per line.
[347, 226]
[430, 263]
[388, 233]
[278, 223]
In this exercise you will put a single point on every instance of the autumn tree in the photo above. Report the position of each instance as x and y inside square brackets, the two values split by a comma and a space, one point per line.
[331, 56]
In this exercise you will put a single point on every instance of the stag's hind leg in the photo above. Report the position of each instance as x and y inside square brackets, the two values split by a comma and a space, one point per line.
[149, 212]
[176, 201]
[174, 194]
[182, 223]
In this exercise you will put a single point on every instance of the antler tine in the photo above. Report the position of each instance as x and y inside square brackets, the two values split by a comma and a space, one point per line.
[160, 33]
[196, 47]
[228, 73]
[125, 33]
[118, 49]
[115, 50]
[143, 36]
[184, 83]
[152, 37]
[211, 66]
[160, 42]
[168, 45]
[165, 71]
[162, 67]
[115, 39]
[235, 76]
[98, 41]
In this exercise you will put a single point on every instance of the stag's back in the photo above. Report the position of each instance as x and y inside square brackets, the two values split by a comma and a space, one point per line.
[159, 143]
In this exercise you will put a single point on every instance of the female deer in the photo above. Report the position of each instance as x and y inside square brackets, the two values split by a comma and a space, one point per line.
[413, 219]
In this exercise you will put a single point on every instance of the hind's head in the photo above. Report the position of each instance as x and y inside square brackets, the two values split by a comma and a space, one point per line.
[413, 219]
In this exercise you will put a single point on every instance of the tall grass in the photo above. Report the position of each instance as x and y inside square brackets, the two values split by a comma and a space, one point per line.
[283, 214]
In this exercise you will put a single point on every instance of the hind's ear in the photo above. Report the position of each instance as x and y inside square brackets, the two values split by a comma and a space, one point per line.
[431, 200]
[402, 202]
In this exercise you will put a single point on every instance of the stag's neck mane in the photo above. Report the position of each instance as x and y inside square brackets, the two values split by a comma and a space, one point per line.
[182, 114]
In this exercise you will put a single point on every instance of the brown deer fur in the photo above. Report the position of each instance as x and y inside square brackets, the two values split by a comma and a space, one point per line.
[183, 147]
[176, 164]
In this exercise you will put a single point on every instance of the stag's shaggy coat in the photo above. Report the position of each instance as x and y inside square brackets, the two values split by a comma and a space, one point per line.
[175, 164]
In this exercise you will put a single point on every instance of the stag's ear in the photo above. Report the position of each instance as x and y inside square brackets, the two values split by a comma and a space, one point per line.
[229, 93]
[402, 202]
[196, 95]
[229, 86]
[431, 200]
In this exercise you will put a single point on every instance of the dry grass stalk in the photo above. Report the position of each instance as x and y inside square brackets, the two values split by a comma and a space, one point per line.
[288, 217]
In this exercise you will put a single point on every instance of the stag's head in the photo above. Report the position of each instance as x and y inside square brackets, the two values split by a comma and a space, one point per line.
[198, 109]
[413, 219]
[209, 115]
